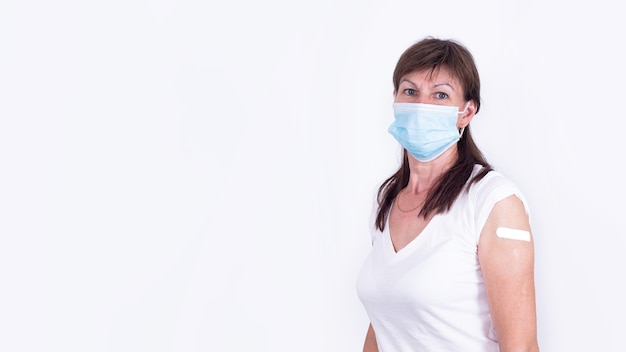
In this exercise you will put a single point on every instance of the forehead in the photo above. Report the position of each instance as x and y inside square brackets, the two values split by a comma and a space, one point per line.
[431, 77]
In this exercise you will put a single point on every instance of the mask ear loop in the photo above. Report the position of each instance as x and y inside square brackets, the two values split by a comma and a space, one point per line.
[465, 109]
[462, 129]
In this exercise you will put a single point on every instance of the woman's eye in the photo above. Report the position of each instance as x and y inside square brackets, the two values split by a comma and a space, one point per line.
[409, 91]
[441, 95]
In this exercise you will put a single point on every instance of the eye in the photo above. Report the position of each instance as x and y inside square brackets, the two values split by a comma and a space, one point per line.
[441, 95]
[409, 91]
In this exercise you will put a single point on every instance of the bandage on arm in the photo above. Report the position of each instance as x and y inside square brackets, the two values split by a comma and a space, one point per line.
[513, 234]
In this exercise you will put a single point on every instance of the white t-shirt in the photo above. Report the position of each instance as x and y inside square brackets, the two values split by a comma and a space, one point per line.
[430, 295]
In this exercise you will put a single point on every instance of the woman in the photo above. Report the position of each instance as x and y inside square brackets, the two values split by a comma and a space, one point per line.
[452, 261]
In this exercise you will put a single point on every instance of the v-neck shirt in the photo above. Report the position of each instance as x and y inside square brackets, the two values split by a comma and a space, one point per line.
[430, 294]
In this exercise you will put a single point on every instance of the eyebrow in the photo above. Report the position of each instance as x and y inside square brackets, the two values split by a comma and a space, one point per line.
[444, 84]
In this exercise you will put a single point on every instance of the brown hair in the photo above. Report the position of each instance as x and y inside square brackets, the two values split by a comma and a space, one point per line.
[432, 54]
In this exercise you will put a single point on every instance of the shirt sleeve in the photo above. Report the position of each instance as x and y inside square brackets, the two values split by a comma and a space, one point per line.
[493, 188]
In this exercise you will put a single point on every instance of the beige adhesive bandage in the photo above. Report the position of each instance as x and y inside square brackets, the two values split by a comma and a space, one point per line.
[513, 234]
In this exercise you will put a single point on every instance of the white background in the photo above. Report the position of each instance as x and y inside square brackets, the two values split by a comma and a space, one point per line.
[197, 176]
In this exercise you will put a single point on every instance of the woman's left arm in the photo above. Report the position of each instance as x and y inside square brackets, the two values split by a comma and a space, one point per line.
[506, 255]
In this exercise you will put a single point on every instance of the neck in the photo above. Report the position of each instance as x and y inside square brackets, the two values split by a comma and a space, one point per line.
[424, 175]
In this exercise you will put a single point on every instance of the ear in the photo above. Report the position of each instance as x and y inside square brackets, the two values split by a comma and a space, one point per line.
[466, 117]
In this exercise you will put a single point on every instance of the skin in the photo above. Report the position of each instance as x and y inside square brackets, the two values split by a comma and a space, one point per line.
[507, 265]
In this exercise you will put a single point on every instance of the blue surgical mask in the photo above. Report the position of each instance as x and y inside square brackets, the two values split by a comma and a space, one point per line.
[425, 130]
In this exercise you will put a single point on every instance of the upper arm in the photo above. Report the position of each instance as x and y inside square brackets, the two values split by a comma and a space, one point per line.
[508, 271]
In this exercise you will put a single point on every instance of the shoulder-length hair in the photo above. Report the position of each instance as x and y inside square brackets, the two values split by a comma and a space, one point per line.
[433, 54]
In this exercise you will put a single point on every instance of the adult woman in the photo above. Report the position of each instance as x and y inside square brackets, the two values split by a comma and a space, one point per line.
[452, 261]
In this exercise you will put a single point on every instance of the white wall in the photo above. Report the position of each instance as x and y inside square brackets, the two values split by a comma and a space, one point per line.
[193, 176]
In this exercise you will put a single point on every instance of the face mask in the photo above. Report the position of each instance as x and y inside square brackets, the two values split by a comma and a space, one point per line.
[425, 130]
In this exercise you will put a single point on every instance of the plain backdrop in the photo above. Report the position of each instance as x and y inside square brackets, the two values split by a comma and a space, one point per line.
[198, 176]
